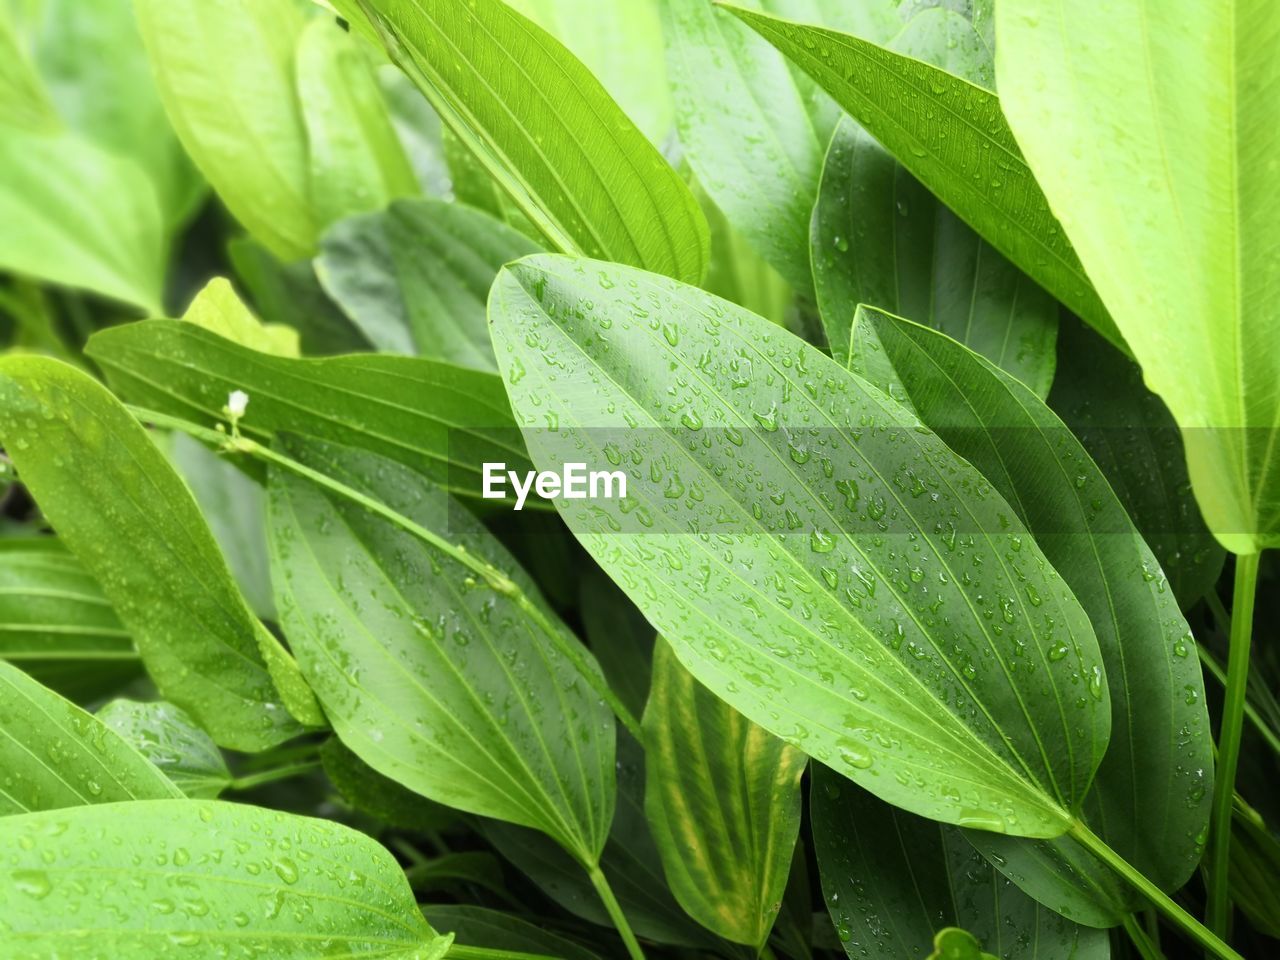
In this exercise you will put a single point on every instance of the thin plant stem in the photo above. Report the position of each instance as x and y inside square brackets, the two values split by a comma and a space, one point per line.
[614, 910]
[1146, 949]
[766, 953]
[1176, 915]
[252, 780]
[1246, 585]
[485, 571]
[1210, 663]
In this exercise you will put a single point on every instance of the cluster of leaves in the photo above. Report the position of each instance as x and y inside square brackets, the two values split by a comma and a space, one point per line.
[940, 411]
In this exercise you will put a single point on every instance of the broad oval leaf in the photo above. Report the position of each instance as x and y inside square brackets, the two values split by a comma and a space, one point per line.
[219, 309]
[55, 623]
[754, 128]
[1150, 798]
[722, 797]
[950, 135]
[443, 421]
[441, 683]
[55, 755]
[814, 555]
[1175, 213]
[225, 72]
[494, 930]
[558, 144]
[414, 278]
[120, 507]
[1130, 435]
[72, 213]
[891, 880]
[202, 879]
[168, 737]
[370, 792]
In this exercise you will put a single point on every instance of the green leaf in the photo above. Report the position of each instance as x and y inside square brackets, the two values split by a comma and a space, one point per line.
[24, 102]
[1130, 435]
[219, 309]
[71, 213]
[890, 880]
[821, 597]
[1175, 213]
[55, 755]
[367, 790]
[290, 294]
[225, 71]
[203, 879]
[564, 151]
[441, 420]
[723, 799]
[620, 43]
[55, 623]
[168, 737]
[620, 637]
[118, 505]
[439, 682]
[356, 163]
[95, 68]
[415, 277]
[952, 943]
[953, 138]
[494, 930]
[1150, 798]
[754, 129]
[1255, 872]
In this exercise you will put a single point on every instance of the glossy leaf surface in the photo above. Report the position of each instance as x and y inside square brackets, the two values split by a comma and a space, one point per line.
[1150, 799]
[887, 634]
[722, 796]
[565, 152]
[442, 420]
[55, 755]
[170, 739]
[951, 136]
[434, 680]
[77, 449]
[1156, 145]
[415, 277]
[216, 878]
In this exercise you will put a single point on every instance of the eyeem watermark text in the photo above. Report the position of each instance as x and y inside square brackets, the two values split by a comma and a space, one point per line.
[573, 482]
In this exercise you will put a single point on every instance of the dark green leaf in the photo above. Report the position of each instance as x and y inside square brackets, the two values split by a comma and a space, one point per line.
[119, 506]
[170, 739]
[370, 792]
[620, 638]
[482, 927]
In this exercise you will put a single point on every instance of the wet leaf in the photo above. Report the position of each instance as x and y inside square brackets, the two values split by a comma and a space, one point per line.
[824, 595]
[170, 739]
[722, 797]
[200, 879]
[120, 507]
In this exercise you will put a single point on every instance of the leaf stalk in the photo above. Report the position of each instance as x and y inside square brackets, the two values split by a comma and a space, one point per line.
[614, 910]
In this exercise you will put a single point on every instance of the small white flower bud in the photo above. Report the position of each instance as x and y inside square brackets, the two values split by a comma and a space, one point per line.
[237, 401]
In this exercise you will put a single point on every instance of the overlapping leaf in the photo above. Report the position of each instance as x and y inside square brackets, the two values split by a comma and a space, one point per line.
[852, 586]
[170, 739]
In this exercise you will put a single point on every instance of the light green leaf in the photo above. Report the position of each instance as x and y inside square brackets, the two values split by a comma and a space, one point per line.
[494, 930]
[71, 213]
[118, 505]
[441, 683]
[24, 102]
[441, 420]
[415, 277]
[365, 789]
[1150, 798]
[356, 162]
[620, 42]
[723, 799]
[821, 596]
[890, 880]
[55, 623]
[953, 138]
[95, 68]
[225, 71]
[1175, 212]
[564, 151]
[202, 879]
[168, 737]
[753, 127]
[1127, 429]
[219, 309]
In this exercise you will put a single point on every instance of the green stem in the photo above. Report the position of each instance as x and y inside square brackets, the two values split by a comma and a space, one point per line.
[491, 575]
[766, 953]
[1147, 949]
[271, 776]
[615, 912]
[1246, 585]
[1159, 899]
